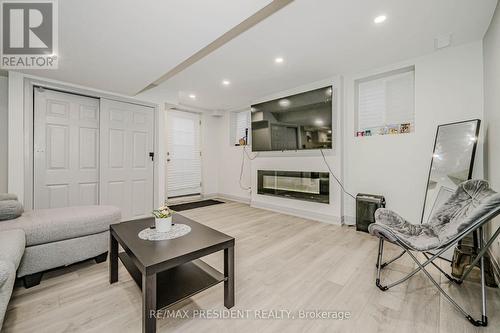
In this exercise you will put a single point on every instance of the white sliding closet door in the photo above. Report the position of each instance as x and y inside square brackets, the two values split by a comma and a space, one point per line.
[184, 154]
[127, 133]
[66, 149]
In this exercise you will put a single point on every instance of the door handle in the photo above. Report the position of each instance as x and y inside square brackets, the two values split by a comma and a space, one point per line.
[152, 155]
[168, 159]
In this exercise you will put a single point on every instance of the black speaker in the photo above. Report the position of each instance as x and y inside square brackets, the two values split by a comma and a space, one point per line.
[366, 205]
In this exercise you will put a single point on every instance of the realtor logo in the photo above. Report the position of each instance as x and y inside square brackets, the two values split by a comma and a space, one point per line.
[29, 34]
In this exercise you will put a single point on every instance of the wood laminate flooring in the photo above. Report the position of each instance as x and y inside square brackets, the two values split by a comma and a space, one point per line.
[282, 263]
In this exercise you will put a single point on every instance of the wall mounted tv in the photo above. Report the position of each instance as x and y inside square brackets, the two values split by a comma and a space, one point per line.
[297, 122]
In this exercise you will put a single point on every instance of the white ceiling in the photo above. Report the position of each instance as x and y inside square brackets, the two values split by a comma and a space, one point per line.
[122, 46]
[319, 39]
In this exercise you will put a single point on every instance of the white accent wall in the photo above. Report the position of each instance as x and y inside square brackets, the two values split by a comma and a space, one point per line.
[231, 158]
[304, 161]
[4, 85]
[448, 88]
[491, 49]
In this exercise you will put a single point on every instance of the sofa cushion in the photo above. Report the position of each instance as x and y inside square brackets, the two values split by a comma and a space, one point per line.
[10, 209]
[9, 271]
[8, 196]
[5, 268]
[12, 244]
[51, 225]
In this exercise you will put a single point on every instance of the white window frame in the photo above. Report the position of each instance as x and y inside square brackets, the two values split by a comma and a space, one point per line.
[237, 132]
[385, 126]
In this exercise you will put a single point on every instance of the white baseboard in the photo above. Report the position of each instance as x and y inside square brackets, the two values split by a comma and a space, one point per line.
[348, 220]
[233, 198]
[209, 195]
[297, 212]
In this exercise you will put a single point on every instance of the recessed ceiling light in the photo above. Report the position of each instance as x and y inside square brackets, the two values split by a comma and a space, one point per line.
[284, 102]
[226, 82]
[319, 122]
[279, 60]
[192, 96]
[379, 19]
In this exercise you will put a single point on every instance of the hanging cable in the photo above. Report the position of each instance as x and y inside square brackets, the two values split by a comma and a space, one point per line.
[241, 170]
[245, 152]
[249, 157]
[338, 181]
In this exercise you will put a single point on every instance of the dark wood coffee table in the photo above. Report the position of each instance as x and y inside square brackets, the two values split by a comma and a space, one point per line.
[169, 271]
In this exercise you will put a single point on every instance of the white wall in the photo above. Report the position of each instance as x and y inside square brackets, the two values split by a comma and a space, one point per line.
[229, 166]
[4, 84]
[491, 49]
[210, 139]
[448, 88]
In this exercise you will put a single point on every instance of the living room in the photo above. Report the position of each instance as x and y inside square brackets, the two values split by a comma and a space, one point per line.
[286, 165]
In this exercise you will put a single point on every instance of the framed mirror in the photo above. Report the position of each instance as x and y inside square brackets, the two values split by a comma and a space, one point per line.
[452, 162]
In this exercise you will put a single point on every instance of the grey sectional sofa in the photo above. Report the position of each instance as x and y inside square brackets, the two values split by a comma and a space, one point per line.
[62, 236]
[44, 239]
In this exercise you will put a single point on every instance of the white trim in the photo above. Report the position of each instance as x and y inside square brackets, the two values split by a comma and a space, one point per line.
[297, 212]
[15, 183]
[83, 90]
[348, 220]
[231, 197]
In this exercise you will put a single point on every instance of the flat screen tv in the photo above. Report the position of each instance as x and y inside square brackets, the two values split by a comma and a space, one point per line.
[297, 122]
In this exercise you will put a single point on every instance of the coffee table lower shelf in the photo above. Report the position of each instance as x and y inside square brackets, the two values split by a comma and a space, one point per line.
[178, 283]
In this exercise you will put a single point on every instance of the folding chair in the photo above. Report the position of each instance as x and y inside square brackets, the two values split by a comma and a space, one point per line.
[472, 206]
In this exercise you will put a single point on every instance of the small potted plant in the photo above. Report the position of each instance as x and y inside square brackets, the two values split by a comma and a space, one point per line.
[163, 218]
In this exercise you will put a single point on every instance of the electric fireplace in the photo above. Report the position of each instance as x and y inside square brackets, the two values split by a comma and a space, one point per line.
[299, 185]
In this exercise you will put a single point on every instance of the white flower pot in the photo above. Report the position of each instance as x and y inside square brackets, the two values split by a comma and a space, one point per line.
[164, 224]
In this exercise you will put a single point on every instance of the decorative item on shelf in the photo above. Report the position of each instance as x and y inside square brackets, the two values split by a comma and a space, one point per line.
[163, 218]
[368, 133]
[243, 141]
[383, 130]
[394, 129]
[360, 133]
[405, 128]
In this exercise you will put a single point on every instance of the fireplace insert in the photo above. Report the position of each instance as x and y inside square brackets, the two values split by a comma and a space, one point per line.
[299, 185]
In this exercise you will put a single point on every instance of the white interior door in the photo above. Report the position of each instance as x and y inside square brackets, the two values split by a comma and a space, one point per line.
[66, 149]
[183, 153]
[127, 133]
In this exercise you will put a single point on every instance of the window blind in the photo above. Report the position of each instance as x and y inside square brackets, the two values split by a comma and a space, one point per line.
[385, 100]
[240, 122]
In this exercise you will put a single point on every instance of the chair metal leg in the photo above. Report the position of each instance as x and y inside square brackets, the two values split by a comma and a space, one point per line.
[458, 307]
[484, 318]
[436, 255]
[391, 260]
[449, 277]
[379, 260]
[480, 254]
